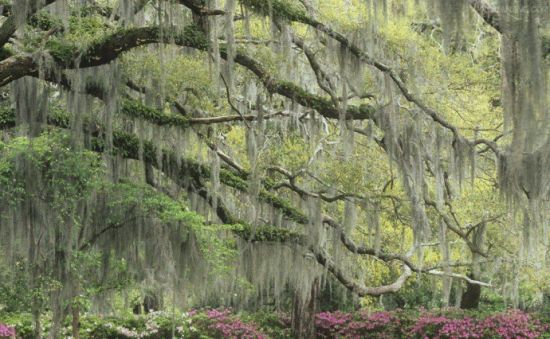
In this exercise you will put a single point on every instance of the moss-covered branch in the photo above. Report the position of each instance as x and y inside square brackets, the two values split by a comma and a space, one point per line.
[112, 46]
[135, 109]
[297, 13]
[191, 175]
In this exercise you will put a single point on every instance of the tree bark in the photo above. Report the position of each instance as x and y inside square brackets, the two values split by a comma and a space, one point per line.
[470, 298]
[76, 320]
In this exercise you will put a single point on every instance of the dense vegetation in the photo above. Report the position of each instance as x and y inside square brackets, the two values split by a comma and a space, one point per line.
[306, 168]
[224, 323]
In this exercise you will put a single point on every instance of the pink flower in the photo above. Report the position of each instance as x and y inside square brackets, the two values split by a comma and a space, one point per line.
[230, 327]
[6, 331]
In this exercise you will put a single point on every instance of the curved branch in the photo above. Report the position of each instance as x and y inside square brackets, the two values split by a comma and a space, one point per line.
[299, 15]
[135, 109]
[112, 46]
[459, 276]
[360, 290]
[190, 174]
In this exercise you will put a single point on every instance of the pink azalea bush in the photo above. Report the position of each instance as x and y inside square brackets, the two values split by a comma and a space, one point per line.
[440, 326]
[7, 331]
[223, 324]
[513, 324]
[339, 324]
[508, 325]
[406, 324]
[329, 325]
[348, 325]
[381, 324]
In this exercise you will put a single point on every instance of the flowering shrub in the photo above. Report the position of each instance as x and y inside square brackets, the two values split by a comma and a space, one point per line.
[513, 324]
[439, 326]
[346, 325]
[7, 331]
[231, 327]
[380, 324]
[329, 325]
[153, 325]
[453, 324]
[224, 323]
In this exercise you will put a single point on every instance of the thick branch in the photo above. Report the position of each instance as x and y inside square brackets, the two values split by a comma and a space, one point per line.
[112, 46]
[358, 289]
[283, 11]
[190, 174]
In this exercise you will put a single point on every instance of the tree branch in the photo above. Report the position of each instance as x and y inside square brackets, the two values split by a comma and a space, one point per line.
[360, 290]
[9, 26]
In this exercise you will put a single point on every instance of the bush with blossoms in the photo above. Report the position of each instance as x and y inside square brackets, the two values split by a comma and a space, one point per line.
[218, 323]
[225, 323]
[452, 324]
[6, 331]
[356, 325]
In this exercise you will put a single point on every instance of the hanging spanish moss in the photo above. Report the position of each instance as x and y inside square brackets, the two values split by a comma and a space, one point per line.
[523, 168]
[335, 159]
[31, 105]
[230, 42]
[445, 259]
[214, 47]
[451, 13]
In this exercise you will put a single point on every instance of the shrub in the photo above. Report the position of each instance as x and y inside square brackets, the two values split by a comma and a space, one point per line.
[6, 331]
[21, 323]
[452, 324]
[224, 323]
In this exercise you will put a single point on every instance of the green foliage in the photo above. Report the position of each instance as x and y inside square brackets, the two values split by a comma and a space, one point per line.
[460, 81]
[44, 21]
[135, 109]
[214, 240]
[269, 323]
[210, 323]
[14, 288]
[61, 51]
[195, 37]
[21, 321]
[86, 29]
[5, 52]
[264, 233]
[285, 9]
[67, 174]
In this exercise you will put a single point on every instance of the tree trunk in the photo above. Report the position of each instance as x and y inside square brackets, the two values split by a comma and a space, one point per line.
[76, 320]
[545, 301]
[34, 270]
[75, 309]
[151, 302]
[60, 270]
[303, 313]
[36, 319]
[470, 298]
